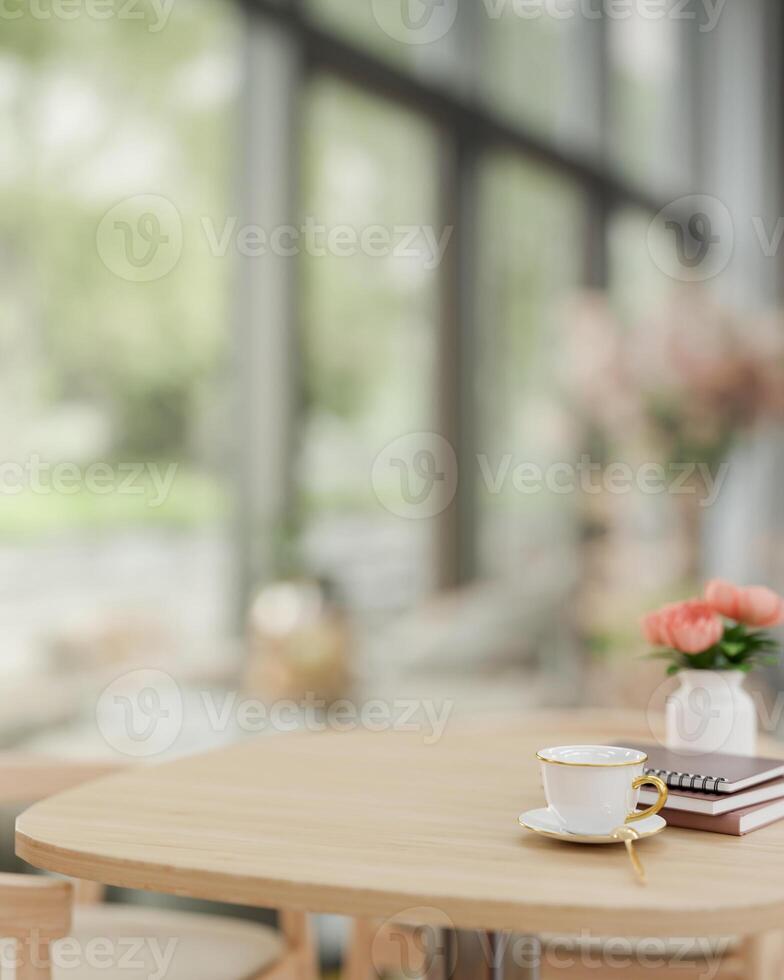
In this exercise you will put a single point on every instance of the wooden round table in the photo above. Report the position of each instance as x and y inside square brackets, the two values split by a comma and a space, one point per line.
[386, 825]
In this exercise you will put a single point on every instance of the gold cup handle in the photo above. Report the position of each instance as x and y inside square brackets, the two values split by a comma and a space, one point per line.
[649, 812]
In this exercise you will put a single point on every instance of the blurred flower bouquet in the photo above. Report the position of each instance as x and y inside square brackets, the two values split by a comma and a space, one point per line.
[691, 376]
[695, 636]
[705, 375]
[677, 387]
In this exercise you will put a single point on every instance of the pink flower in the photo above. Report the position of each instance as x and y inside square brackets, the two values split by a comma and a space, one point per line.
[690, 626]
[753, 605]
[652, 629]
[724, 597]
[760, 606]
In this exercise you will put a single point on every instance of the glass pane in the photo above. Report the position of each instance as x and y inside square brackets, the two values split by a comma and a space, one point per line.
[531, 260]
[637, 284]
[422, 37]
[541, 70]
[369, 310]
[117, 138]
[648, 99]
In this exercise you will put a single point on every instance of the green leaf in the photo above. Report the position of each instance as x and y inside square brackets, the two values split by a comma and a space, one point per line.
[673, 669]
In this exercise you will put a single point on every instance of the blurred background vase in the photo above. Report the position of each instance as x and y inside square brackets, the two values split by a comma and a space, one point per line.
[711, 712]
[299, 643]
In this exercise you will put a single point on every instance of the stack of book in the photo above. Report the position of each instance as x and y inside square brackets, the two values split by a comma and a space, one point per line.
[724, 794]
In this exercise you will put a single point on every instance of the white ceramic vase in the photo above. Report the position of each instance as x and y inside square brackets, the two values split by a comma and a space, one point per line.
[711, 712]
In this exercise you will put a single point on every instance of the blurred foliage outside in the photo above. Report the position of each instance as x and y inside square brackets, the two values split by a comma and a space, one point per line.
[93, 367]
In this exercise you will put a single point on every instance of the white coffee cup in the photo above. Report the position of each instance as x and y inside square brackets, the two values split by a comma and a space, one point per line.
[593, 789]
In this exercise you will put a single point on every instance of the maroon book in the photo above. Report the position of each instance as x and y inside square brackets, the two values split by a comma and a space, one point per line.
[713, 804]
[737, 823]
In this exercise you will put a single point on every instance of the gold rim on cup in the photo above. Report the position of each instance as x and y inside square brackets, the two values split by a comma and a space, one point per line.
[596, 765]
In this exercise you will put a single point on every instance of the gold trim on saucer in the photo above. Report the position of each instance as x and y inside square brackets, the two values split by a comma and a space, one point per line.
[611, 838]
[593, 765]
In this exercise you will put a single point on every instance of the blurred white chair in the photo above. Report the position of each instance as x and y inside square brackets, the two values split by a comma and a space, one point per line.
[35, 911]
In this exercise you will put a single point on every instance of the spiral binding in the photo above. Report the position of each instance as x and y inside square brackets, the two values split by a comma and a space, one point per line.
[676, 780]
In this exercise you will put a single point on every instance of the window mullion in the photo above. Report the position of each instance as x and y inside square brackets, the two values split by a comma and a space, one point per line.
[265, 326]
[457, 524]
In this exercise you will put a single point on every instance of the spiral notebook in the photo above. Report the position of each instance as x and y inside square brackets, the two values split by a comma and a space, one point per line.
[709, 773]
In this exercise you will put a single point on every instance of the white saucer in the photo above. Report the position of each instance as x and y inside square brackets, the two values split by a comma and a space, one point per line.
[546, 823]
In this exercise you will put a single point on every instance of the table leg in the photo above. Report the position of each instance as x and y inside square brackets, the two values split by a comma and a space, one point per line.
[763, 955]
[470, 955]
[496, 955]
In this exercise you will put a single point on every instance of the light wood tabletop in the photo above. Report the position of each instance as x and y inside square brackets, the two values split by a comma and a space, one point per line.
[386, 825]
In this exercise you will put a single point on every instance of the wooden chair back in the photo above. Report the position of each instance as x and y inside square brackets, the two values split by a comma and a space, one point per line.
[26, 778]
[34, 911]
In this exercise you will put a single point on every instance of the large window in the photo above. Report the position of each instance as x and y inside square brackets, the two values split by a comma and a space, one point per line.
[535, 139]
[454, 178]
